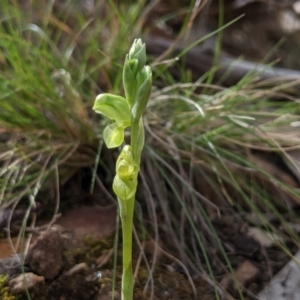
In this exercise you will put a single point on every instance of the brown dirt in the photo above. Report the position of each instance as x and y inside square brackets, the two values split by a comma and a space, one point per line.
[254, 266]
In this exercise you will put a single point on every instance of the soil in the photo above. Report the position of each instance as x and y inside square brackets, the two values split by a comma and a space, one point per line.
[74, 264]
[86, 272]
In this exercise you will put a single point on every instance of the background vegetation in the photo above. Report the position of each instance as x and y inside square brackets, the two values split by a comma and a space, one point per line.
[218, 160]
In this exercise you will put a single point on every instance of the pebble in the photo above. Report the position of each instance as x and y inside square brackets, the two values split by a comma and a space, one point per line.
[45, 254]
[24, 281]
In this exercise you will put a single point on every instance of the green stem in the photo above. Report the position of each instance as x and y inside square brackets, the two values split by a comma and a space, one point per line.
[126, 213]
[134, 132]
[137, 139]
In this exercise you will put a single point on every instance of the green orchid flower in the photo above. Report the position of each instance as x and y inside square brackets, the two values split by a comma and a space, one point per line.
[115, 108]
[125, 181]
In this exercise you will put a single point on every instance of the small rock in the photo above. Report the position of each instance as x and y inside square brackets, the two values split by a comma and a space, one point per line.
[264, 238]
[244, 274]
[45, 254]
[24, 281]
[286, 284]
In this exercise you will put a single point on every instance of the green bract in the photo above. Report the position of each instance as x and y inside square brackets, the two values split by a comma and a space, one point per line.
[144, 79]
[129, 80]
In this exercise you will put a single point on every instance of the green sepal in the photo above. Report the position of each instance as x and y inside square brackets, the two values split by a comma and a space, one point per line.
[113, 107]
[113, 134]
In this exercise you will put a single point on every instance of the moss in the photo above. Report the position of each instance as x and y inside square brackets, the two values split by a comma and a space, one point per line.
[5, 293]
[92, 250]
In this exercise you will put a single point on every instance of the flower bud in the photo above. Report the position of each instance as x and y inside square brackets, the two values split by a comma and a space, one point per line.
[138, 51]
[135, 73]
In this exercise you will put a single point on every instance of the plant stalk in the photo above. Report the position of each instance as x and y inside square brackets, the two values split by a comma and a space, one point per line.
[135, 141]
[126, 213]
